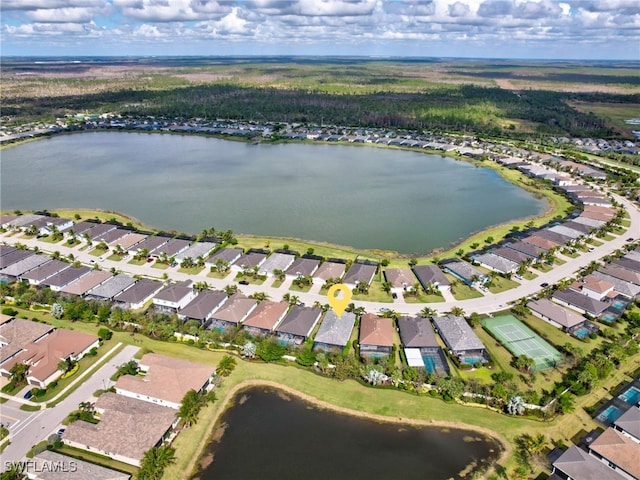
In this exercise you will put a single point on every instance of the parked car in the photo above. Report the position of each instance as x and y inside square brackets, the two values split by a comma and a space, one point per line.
[243, 282]
[544, 285]
[149, 260]
[60, 431]
[28, 395]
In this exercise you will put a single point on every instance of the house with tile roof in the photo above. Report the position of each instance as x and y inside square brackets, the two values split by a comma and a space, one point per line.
[401, 279]
[203, 306]
[175, 296]
[265, 317]
[376, 336]
[460, 339]
[49, 465]
[165, 380]
[416, 333]
[576, 464]
[556, 315]
[234, 311]
[618, 451]
[430, 276]
[328, 270]
[298, 324]
[127, 428]
[334, 332]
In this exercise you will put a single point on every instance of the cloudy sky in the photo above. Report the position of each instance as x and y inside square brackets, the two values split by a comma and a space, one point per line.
[583, 29]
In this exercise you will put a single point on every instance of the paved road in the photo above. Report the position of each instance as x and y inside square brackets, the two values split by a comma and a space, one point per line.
[39, 425]
[488, 303]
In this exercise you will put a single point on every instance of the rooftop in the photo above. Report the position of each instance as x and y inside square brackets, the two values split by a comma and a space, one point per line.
[578, 464]
[28, 263]
[277, 261]
[166, 378]
[400, 277]
[266, 315]
[618, 449]
[553, 311]
[86, 282]
[336, 330]
[303, 267]
[235, 309]
[141, 291]
[15, 333]
[66, 276]
[46, 270]
[457, 334]
[359, 272]
[376, 330]
[112, 286]
[416, 332]
[330, 270]
[430, 275]
[228, 255]
[205, 303]
[300, 321]
[199, 249]
[43, 467]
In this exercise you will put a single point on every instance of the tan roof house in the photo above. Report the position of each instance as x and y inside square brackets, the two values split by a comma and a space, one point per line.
[376, 335]
[266, 317]
[126, 430]
[165, 380]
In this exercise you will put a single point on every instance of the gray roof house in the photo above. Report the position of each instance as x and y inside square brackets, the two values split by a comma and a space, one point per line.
[276, 261]
[298, 324]
[566, 231]
[334, 332]
[65, 277]
[235, 310]
[627, 263]
[14, 256]
[199, 249]
[139, 294]
[579, 302]
[419, 341]
[175, 296]
[112, 236]
[579, 226]
[202, 307]
[496, 263]
[25, 265]
[624, 288]
[556, 237]
[5, 249]
[621, 273]
[98, 230]
[510, 254]
[401, 279]
[555, 315]
[303, 267]
[466, 272]
[249, 261]
[629, 423]
[227, 255]
[112, 287]
[171, 248]
[431, 276]
[590, 222]
[44, 271]
[86, 282]
[459, 337]
[532, 251]
[149, 244]
[577, 464]
[359, 272]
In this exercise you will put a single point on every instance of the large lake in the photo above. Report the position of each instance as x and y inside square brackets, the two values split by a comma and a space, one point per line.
[268, 435]
[364, 197]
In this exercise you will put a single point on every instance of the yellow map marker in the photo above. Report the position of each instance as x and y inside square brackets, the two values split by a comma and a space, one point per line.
[339, 304]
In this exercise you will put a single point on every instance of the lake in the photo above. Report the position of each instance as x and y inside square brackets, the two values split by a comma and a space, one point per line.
[270, 435]
[364, 197]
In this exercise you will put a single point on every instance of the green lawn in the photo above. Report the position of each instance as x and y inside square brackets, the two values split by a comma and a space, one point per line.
[115, 258]
[191, 271]
[219, 275]
[137, 262]
[304, 289]
[97, 459]
[423, 298]
[258, 280]
[500, 284]
[49, 239]
[464, 292]
[97, 252]
[376, 294]
[159, 266]
[277, 283]
[529, 275]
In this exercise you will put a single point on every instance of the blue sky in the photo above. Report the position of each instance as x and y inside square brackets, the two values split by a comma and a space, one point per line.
[569, 29]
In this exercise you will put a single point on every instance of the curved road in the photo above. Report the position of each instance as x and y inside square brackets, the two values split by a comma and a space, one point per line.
[488, 303]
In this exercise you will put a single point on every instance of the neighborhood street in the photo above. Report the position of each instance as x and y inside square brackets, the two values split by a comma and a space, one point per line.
[488, 303]
[37, 426]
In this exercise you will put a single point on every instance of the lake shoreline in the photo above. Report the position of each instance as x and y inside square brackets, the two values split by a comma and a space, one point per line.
[229, 400]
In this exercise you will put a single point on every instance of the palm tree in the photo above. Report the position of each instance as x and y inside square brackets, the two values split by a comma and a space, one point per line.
[260, 296]
[226, 366]
[279, 274]
[230, 289]
[457, 311]
[427, 312]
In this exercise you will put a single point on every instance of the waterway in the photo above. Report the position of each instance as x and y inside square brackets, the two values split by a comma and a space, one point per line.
[364, 197]
[267, 435]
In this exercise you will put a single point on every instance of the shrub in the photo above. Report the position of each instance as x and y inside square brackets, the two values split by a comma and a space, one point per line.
[53, 384]
[105, 334]
[9, 311]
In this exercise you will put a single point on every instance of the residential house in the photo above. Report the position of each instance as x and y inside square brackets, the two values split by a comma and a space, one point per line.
[63, 278]
[558, 238]
[329, 270]
[235, 310]
[430, 276]
[249, 261]
[265, 317]
[629, 424]
[128, 242]
[543, 243]
[276, 261]
[621, 273]
[556, 315]
[579, 302]
[532, 251]
[44, 354]
[97, 231]
[627, 263]
[165, 380]
[138, 295]
[195, 251]
[618, 451]
[15, 334]
[401, 279]
[593, 287]
[564, 229]
[127, 428]
[460, 339]
[466, 272]
[111, 287]
[622, 287]
[203, 306]
[334, 332]
[495, 263]
[49, 465]
[224, 256]
[44, 271]
[171, 248]
[376, 336]
[359, 273]
[149, 244]
[589, 222]
[576, 464]
[16, 270]
[174, 297]
[303, 267]
[510, 254]
[112, 236]
[417, 334]
[297, 325]
[14, 256]
[86, 282]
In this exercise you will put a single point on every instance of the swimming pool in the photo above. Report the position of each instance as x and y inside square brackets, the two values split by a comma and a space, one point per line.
[608, 318]
[619, 305]
[609, 415]
[430, 363]
[630, 396]
[472, 360]
[581, 333]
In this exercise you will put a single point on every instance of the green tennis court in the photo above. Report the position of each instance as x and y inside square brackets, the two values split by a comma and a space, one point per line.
[521, 340]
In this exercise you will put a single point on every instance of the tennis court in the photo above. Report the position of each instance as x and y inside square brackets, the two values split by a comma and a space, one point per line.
[521, 340]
